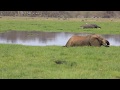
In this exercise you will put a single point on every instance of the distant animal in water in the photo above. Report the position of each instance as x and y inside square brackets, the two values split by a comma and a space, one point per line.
[90, 26]
[89, 40]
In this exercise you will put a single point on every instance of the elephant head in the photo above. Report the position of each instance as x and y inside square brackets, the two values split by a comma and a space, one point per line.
[89, 40]
[97, 40]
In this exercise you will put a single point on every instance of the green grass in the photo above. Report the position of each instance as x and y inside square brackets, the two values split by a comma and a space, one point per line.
[56, 62]
[56, 25]
[19, 61]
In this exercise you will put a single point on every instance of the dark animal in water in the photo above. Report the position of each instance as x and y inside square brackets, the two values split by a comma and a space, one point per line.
[90, 26]
[89, 40]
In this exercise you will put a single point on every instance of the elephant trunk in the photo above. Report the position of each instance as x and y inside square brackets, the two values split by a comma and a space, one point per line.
[106, 43]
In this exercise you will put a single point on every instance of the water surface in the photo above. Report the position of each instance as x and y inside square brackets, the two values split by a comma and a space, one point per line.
[37, 38]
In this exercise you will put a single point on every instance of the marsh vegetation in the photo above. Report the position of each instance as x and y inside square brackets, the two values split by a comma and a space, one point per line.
[56, 62]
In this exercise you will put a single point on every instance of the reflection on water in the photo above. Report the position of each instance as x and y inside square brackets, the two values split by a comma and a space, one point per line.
[36, 38]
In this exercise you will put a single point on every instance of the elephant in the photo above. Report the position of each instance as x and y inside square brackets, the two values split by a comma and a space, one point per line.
[90, 26]
[89, 40]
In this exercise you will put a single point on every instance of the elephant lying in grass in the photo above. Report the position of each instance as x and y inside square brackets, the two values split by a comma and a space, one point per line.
[89, 40]
[90, 26]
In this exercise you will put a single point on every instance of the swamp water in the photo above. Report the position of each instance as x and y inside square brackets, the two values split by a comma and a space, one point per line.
[37, 38]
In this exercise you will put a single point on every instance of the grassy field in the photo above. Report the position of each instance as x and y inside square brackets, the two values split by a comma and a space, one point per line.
[108, 26]
[56, 62]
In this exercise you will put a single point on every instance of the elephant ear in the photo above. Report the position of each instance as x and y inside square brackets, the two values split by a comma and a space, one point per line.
[94, 41]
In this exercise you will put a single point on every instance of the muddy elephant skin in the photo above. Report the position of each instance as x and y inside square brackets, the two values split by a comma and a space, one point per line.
[90, 26]
[89, 40]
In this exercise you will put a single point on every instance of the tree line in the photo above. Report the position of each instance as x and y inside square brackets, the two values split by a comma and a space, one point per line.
[63, 14]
